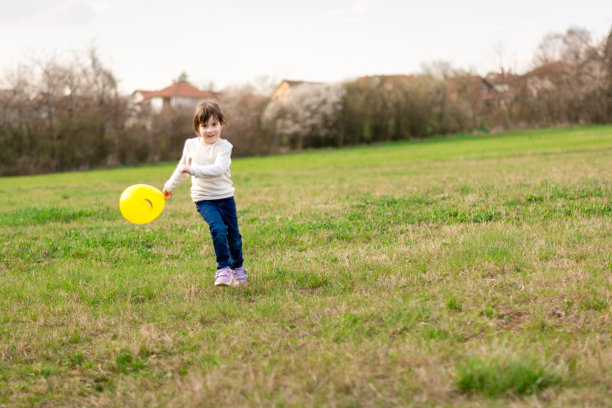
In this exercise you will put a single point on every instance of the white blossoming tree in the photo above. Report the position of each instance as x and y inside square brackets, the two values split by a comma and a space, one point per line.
[307, 117]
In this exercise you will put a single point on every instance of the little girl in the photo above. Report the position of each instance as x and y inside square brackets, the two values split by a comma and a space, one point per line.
[207, 159]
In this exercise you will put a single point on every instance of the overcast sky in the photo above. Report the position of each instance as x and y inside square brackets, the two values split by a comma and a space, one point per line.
[148, 43]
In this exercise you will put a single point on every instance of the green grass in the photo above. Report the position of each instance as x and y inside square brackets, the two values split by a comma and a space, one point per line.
[522, 375]
[460, 271]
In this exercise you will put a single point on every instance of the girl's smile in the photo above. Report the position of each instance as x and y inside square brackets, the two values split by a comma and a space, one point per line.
[210, 132]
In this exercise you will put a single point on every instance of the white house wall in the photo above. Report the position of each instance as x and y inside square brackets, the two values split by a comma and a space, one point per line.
[156, 104]
[185, 102]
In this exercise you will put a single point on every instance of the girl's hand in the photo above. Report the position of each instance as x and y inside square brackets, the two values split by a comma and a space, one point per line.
[185, 169]
[167, 194]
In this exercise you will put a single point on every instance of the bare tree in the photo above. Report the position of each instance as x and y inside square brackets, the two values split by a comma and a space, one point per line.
[572, 77]
[244, 108]
[60, 114]
[438, 69]
[607, 58]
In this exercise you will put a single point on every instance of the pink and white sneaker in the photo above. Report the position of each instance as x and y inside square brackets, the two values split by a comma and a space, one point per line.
[224, 277]
[239, 275]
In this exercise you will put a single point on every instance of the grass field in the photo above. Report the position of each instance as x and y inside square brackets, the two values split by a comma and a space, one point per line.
[457, 271]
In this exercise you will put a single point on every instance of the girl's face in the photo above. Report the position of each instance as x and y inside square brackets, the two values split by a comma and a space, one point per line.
[210, 132]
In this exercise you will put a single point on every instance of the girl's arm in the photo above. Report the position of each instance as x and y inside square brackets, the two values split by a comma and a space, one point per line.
[177, 176]
[222, 163]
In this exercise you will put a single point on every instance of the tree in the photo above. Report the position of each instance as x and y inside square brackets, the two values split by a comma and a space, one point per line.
[607, 53]
[307, 117]
[183, 77]
[244, 107]
[439, 69]
[62, 114]
[572, 77]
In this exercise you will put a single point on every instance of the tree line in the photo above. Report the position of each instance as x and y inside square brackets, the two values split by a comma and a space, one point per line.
[59, 115]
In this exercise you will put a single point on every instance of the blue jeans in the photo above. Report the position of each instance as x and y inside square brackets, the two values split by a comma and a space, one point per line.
[223, 222]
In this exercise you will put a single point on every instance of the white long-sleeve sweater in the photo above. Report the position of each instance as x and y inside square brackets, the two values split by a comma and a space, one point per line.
[210, 170]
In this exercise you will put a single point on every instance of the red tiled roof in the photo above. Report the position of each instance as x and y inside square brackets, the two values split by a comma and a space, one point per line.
[553, 67]
[501, 77]
[467, 77]
[180, 89]
[293, 83]
[456, 82]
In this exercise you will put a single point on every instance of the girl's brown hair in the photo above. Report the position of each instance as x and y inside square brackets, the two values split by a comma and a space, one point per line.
[204, 111]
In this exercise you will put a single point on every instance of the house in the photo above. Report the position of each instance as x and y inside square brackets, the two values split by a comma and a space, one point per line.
[547, 77]
[474, 88]
[505, 84]
[283, 89]
[181, 94]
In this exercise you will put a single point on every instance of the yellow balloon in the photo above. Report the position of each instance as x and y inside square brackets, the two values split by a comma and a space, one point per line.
[141, 203]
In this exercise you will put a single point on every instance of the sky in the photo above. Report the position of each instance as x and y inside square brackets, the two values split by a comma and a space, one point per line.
[223, 43]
